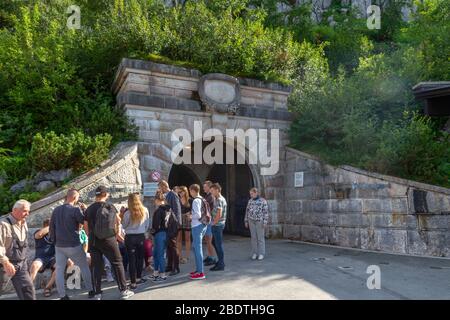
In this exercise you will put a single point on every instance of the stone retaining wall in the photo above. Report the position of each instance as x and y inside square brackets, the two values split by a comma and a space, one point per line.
[354, 208]
[120, 173]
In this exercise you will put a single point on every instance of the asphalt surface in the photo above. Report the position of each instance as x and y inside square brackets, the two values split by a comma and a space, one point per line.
[293, 270]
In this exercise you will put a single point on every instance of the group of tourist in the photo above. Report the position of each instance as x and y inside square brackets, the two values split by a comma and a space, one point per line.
[102, 240]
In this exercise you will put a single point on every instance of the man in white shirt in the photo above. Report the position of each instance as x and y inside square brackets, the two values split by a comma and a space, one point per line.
[198, 231]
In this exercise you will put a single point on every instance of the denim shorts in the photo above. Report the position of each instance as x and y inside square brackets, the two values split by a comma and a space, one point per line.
[48, 262]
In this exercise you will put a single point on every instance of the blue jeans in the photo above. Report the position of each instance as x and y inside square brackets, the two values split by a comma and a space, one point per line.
[159, 250]
[217, 241]
[198, 233]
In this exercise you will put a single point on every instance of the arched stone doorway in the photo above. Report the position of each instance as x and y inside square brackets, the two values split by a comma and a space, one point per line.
[235, 180]
[182, 175]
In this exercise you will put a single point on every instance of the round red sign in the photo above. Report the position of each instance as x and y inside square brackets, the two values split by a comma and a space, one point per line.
[156, 176]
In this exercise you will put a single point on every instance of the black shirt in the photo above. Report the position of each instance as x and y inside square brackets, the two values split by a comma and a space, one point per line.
[186, 209]
[159, 216]
[89, 216]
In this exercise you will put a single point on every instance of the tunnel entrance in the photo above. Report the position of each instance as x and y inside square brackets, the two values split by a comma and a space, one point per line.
[235, 180]
[182, 175]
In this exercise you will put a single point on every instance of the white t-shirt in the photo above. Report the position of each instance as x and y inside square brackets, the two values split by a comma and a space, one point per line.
[196, 212]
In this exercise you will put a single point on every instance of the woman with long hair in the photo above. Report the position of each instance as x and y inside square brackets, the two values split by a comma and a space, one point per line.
[186, 203]
[161, 223]
[136, 222]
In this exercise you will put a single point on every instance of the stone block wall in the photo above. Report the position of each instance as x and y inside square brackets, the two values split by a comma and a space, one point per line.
[354, 208]
[161, 98]
[167, 87]
[120, 173]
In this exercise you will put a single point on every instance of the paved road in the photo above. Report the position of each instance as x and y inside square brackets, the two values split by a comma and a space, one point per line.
[295, 270]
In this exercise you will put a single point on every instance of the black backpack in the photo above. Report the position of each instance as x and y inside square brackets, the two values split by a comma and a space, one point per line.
[206, 211]
[105, 222]
[171, 224]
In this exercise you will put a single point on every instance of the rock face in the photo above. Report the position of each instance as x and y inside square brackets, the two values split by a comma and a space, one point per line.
[20, 186]
[45, 185]
[54, 175]
[43, 181]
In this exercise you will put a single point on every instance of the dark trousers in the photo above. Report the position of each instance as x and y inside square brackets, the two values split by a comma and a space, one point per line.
[217, 241]
[22, 282]
[173, 257]
[110, 249]
[135, 251]
[123, 252]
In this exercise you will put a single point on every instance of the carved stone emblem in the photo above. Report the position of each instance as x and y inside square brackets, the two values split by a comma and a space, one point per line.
[219, 93]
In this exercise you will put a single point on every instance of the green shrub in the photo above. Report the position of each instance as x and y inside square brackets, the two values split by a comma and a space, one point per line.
[413, 149]
[15, 167]
[77, 151]
[6, 200]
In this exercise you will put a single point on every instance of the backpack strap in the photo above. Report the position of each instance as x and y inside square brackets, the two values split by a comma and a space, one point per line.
[15, 236]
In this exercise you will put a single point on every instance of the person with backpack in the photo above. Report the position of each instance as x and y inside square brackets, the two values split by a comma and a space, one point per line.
[64, 233]
[136, 222]
[201, 217]
[102, 223]
[173, 252]
[218, 215]
[164, 226]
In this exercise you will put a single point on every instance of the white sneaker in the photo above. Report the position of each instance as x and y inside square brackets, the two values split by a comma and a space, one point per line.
[260, 257]
[98, 297]
[254, 256]
[126, 294]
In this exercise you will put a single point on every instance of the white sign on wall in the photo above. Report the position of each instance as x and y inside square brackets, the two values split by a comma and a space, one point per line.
[298, 179]
[150, 189]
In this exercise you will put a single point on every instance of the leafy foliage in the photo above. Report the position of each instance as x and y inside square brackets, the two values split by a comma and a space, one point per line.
[352, 85]
[76, 150]
[366, 115]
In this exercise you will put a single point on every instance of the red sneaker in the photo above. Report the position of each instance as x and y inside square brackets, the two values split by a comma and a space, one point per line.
[198, 276]
[193, 272]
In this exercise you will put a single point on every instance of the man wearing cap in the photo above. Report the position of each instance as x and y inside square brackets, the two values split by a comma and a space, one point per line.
[13, 251]
[100, 246]
[64, 232]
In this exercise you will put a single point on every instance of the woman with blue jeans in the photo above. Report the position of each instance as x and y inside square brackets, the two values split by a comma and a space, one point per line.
[159, 231]
[198, 232]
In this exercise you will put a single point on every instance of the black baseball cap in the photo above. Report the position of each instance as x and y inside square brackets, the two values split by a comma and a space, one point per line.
[100, 190]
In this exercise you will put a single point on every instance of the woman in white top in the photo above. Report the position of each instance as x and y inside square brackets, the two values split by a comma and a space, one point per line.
[135, 223]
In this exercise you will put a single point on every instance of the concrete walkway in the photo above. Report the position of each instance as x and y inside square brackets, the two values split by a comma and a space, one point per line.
[294, 270]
